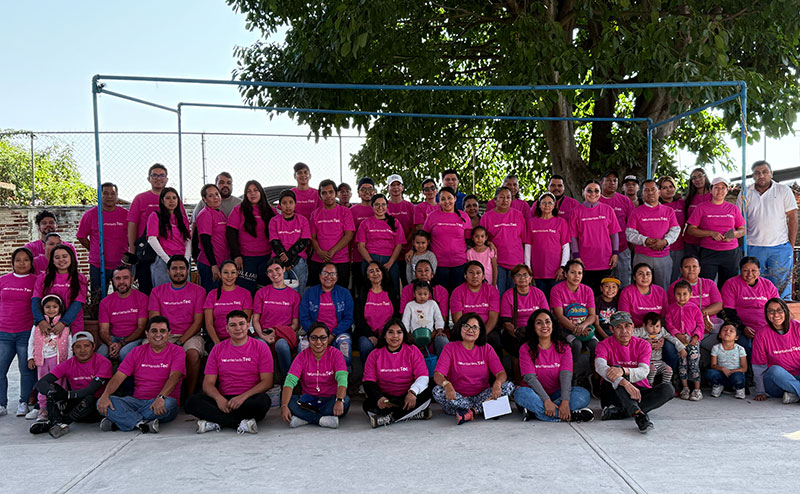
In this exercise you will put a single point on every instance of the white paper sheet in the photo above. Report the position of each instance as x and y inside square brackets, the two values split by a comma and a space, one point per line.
[496, 408]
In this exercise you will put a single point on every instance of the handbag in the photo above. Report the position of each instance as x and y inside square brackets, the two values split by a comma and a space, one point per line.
[144, 252]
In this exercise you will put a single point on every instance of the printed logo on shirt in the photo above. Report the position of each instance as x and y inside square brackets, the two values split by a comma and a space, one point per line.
[505, 225]
[719, 216]
[178, 302]
[660, 218]
[132, 310]
[155, 366]
[544, 230]
[332, 220]
[399, 369]
[593, 218]
[277, 302]
[320, 373]
[113, 223]
[16, 289]
[475, 306]
[290, 232]
[477, 362]
[237, 360]
[556, 365]
[760, 299]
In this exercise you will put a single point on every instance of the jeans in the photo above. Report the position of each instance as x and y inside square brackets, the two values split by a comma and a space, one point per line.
[449, 277]
[669, 354]
[158, 272]
[206, 276]
[676, 256]
[661, 266]
[123, 352]
[722, 265]
[204, 407]
[504, 281]
[344, 342]
[546, 285]
[94, 278]
[776, 266]
[717, 378]
[526, 397]
[394, 271]
[325, 409]
[364, 348]
[652, 398]
[623, 269]
[129, 411]
[12, 344]
[778, 380]
[300, 273]
[253, 274]
[284, 353]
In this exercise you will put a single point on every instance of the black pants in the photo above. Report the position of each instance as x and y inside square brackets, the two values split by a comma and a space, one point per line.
[510, 342]
[397, 412]
[652, 398]
[722, 265]
[77, 410]
[342, 268]
[204, 407]
[495, 340]
[144, 277]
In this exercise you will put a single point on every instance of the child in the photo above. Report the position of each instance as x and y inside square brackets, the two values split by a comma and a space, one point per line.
[654, 333]
[482, 253]
[685, 322]
[421, 245]
[423, 311]
[728, 362]
[606, 305]
[45, 351]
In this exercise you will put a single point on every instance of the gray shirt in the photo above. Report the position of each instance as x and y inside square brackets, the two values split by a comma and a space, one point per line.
[226, 206]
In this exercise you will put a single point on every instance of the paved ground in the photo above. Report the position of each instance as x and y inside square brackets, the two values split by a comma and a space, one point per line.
[715, 445]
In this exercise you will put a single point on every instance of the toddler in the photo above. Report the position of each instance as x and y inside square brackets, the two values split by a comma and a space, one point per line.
[422, 244]
[654, 333]
[423, 311]
[483, 254]
[50, 348]
[728, 362]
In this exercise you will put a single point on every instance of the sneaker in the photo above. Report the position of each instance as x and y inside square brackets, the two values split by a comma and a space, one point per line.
[643, 422]
[151, 426]
[297, 422]
[382, 420]
[716, 390]
[329, 421]
[32, 414]
[41, 416]
[697, 395]
[427, 414]
[3, 411]
[22, 409]
[204, 426]
[361, 391]
[247, 426]
[107, 425]
[526, 414]
[39, 428]
[58, 430]
[740, 394]
[582, 415]
[790, 398]
[685, 394]
[611, 412]
[464, 415]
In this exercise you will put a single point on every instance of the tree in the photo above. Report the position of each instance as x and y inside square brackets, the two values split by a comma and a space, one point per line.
[58, 181]
[517, 42]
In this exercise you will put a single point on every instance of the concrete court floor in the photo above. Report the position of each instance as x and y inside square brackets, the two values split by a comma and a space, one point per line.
[715, 445]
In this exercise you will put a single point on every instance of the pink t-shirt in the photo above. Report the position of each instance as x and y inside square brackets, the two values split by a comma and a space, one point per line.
[686, 319]
[329, 226]
[564, 209]
[771, 348]
[179, 306]
[250, 245]
[60, 287]
[395, 372]
[79, 375]
[422, 211]
[40, 264]
[379, 237]
[327, 311]
[122, 314]
[549, 364]
[562, 296]
[547, 237]
[151, 370]
[653, 222]
[213, 222]
[360, 213]
[518, 204]
[16, 293]
[239, 368]
[526, 305]
[404, 212]
[508, 232]
[277, 306]
[318, 377]
[307, 201]
[440, 295]
[237, 299]
[485, 258]
[636, 352]
[448, 234]
[749, 301]
[623, 207]
[377, 310]
[677, 207]
[289, 232]
[593, 228]
[638, 305]
[710, 293]
[142, 206]
[468, 370]
[115, 235]
[174, 244]
[719, 218]
[696, 201]
[486, 300]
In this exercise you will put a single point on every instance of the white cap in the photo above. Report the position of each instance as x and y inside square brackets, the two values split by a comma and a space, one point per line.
[719, 180]
[82, 335]
[394, 178]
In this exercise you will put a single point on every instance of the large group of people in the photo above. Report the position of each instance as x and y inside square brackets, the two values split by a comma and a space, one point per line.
[613, 295]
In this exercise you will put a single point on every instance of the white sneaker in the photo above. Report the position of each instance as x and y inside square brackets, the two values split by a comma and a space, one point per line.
[22, 409]
[716, 390]
[204, 426]
[790, 398]
[3, 411]
[247, 426]
[697, 395]
[685, 394]
[32, 414]
[740, 394]
[297, 422]
[330, 421]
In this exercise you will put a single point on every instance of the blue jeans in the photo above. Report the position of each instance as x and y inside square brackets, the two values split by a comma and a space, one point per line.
[394, 271]
[364, 348]
[299, 272]
[158, 272]
[450, 277]
[623, 269]
[325, 408]
[776, 266]
[253, 274]
[123, 352]
[344, 342]
[129, 411]
[669, 354]
[526, 397]
[777, 380]
[545, 286]
[94, 278]
[284, 353]
[717, 378]
[504, 281]
[206, 277]
[15, 344]
[439, 342]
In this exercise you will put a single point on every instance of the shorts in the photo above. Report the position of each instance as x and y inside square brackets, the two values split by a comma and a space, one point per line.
[195, 343]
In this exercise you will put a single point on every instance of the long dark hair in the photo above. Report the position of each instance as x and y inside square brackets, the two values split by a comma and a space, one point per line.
[72, 274]
[394, 322]
[219, 282]
[787, 315]
[163, 216]
[452, 192]
[557, 337]
[388, 218]
[692, 191]
[263, 207]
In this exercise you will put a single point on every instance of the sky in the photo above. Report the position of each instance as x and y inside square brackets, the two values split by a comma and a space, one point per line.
[59, 46]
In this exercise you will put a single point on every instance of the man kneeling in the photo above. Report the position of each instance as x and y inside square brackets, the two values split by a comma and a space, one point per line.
[243, 366]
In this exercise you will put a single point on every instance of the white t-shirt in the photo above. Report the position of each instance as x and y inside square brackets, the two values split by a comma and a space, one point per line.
[728, 358]
[766, 214]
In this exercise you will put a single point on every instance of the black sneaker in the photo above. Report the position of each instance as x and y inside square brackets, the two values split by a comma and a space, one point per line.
[582, 415]
[526, 414]
[611, 412]
[150, 426]
[643, 422]
[39, 427]
[58, 430]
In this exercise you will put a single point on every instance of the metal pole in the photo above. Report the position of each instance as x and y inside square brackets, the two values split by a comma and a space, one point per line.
[341, 160]
[474, 153]
[95, 89]
[203, 151]
[649, 152]
[180, 156]
[33, 174]
[743, 135]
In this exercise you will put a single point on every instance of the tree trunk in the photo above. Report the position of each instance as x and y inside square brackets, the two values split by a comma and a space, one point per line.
[564, 154]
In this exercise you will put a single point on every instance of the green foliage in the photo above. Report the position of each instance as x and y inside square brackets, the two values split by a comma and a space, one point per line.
[511, 42]
[58, 181]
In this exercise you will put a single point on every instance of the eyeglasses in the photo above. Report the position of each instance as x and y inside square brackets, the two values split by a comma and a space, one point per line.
[329, 274]
[698, 177]
[772, 312]
[428, 189]
[470, 328]
[158, 175]
[318, 337]
[366, 189]
[522, 275]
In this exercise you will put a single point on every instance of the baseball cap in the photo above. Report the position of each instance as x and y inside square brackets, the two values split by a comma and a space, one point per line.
[630, 178]
[394, 178]
[719, 180]
[620, 317]
[82, 335]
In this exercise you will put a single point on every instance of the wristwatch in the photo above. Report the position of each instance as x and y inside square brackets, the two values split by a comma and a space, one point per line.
[445, 383]
[162, 397]
[340, 399]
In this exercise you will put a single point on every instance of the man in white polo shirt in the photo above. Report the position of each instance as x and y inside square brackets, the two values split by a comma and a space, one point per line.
[771, 212]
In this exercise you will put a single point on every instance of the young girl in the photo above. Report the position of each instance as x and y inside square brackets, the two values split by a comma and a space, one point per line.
[422, 312]
[421, 249]
[483, 254]
[606, 305]
[48, 349]
[654, 333]
[685, 322]
[728, 362]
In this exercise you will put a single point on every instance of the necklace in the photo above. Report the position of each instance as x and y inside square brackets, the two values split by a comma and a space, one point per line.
[317, 375]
